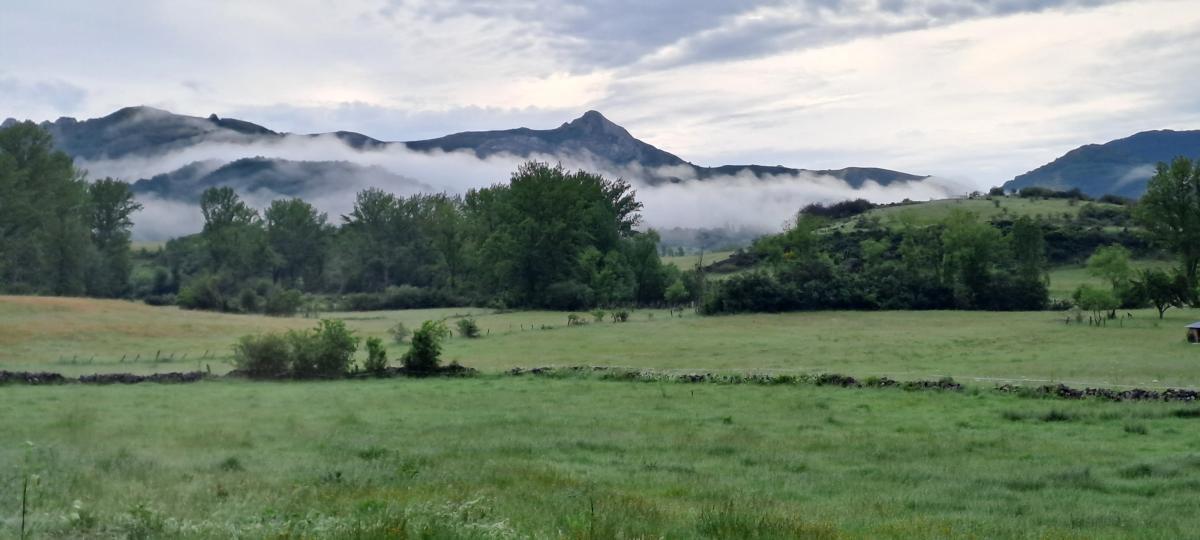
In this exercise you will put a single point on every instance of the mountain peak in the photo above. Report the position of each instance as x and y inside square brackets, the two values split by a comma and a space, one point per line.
[592, 122]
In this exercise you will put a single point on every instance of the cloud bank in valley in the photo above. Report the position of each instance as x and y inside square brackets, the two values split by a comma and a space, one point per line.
[737, 201]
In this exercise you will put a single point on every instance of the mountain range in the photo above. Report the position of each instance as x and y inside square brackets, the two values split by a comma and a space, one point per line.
[147, 133]
[1121, 167]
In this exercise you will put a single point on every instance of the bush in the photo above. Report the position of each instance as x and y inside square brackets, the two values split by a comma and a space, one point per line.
[376, 357]
[282, 302]
[202, 292]
[262, 356]
[402, 297]
[598, 315]
[620, 315]
[426, 349]
[468, 328]
[248, 301]
[568, 296]
[399, 332]
[677, 294]
[326, 351]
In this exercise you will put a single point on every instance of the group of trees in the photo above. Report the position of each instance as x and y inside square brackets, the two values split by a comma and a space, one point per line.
[1169, 212]
[548, 238]
[59, 234]
[569, 240]
[327, 351]
[1128, 287]
[958, 263]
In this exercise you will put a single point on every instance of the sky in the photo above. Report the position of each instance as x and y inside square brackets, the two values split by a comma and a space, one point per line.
[973, 91]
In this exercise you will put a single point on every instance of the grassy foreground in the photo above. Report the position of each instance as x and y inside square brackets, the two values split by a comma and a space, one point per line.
[503, 457]
[506, 457]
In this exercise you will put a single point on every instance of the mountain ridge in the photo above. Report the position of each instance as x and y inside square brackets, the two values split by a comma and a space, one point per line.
[143, 131]
[1118, 167]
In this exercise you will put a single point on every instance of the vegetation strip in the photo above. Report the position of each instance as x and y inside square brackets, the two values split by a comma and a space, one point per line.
[1060, 391]
[832, 379]
[46, 377]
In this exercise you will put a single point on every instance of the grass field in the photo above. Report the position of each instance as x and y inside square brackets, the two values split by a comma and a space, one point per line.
[1064, 280]
[505, 457]
[985, 209]
[688, 262]
[75, 337]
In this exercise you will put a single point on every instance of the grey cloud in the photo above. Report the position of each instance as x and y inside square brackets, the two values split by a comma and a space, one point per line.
[595, 32]
[56, 94]
[623, 33]
[816, 23]
[394, 124]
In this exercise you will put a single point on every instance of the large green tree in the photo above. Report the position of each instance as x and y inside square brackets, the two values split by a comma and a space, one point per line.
[112, 205]
[233, 235]
[44, 233]
[533, 231]
[1170, 212]
[296, 234]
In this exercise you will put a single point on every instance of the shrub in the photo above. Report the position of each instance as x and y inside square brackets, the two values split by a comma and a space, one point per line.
[676, 294]
[202, 292]
[376, 356]
[573, 319]
[399, 332]
[282, 302]
[620, 315]
[248, 301]
[468, 328]
[266, 355]
[568, 296]
[326, 351]
[426, 349]
[598, 315]
[402, 297]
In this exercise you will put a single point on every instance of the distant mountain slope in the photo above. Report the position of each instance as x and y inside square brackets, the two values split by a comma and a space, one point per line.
[1120, 167]
[594, 135]
[146, 132]
[273, 177]
[591, 133]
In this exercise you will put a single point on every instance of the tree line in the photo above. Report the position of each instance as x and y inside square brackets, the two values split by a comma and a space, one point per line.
[59, 234]
[961, 262]
[550, 238]
[957, 263]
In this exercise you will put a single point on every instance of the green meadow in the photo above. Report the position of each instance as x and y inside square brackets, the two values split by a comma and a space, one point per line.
[985, 209]
[497, 456]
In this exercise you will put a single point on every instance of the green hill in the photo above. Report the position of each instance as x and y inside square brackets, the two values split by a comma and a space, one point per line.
[987, 209]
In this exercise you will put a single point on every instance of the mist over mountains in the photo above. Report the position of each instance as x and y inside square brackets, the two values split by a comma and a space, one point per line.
[172, 158]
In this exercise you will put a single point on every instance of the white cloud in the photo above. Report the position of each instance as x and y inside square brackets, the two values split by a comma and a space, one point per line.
[735, 201]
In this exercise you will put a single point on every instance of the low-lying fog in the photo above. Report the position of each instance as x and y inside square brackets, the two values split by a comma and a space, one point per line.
[741, 201]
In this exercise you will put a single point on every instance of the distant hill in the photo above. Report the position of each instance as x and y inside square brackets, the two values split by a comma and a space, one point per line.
[594, 135]
[1120, 167]
[146, 132]
[274, 176]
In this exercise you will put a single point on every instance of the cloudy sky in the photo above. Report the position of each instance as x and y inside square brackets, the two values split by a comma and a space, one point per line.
[976, 91]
